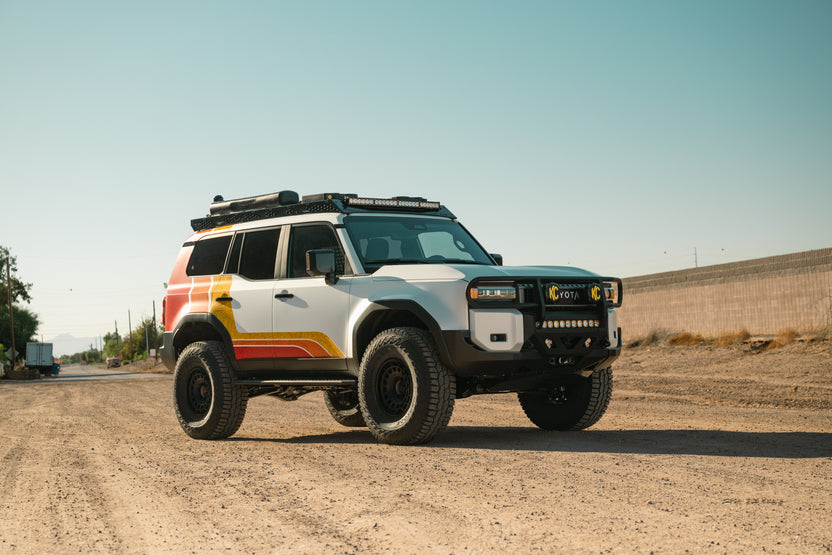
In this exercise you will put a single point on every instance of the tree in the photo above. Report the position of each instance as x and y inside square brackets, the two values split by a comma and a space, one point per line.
[112, 344]
[25, 321]
[134, 346]
[20, 290]
[25, 327]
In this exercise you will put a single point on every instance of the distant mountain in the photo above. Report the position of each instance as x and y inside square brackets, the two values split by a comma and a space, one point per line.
[66, 344]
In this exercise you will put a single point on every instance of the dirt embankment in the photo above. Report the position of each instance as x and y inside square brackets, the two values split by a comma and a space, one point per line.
[703, 449]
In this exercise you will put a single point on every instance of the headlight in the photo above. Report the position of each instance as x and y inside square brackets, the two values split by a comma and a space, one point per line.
[612, 292]
[492, 293]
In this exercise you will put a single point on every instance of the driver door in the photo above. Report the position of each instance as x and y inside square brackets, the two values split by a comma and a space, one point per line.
[311, 316]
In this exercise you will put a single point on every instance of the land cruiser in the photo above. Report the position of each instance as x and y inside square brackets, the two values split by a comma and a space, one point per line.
[387, 305]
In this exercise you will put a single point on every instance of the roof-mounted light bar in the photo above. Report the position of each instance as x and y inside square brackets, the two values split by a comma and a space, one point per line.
[414, 203]
[286, 203]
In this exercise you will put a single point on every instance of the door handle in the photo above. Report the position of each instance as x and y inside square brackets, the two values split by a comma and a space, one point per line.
[221, 299]
[284, 295]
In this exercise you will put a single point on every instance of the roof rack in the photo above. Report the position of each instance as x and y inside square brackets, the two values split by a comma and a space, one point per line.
[285, 203]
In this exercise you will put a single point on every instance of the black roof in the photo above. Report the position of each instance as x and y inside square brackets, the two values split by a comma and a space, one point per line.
[318, 204]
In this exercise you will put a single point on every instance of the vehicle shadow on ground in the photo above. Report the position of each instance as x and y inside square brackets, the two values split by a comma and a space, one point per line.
[715, 443]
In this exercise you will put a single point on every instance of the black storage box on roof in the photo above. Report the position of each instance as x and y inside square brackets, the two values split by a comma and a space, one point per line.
[283, 198]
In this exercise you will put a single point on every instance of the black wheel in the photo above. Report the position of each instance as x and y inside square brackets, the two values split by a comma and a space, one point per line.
[208, 404]
[573, 405]
[343, 406]
[405, 392]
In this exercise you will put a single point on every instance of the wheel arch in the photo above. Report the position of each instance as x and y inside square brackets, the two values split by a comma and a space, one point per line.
[202, 327]
[391, 314]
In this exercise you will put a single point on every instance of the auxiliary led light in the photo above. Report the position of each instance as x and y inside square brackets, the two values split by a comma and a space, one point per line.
[395, 203]
[562, 324]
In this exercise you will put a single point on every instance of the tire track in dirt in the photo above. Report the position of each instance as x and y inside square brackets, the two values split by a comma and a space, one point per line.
[655, 474]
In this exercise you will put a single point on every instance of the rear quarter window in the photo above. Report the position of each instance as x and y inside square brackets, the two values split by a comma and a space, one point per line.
[208, 256]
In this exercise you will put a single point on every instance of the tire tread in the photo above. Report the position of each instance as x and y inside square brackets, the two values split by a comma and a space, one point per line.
[233, 404]
[442, 386]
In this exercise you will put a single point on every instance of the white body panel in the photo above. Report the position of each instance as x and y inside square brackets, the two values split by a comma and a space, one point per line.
[445, 301]
[314, 307]
[252, 304]
[508, 323]
[612, 328]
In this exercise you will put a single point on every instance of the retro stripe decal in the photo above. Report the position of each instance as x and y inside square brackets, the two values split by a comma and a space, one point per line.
[261, 344]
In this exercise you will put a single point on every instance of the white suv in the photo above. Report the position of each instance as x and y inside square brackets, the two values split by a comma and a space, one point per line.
[389, 306]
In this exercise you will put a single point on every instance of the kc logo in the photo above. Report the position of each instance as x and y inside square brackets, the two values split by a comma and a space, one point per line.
[554, 292]
[595, 293]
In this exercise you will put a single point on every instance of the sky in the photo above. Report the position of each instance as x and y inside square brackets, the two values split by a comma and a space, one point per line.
[626, 138]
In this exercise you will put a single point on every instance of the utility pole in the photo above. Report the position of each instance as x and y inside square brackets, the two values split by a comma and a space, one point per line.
[11, 312]
[147, 342]
[155, 335]
[695, 258]
[130, 334]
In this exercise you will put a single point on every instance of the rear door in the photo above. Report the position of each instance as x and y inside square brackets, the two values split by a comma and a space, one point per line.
[244, 297]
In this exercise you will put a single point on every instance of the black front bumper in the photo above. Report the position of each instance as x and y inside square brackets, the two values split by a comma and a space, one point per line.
[465, 359]
[567, 354]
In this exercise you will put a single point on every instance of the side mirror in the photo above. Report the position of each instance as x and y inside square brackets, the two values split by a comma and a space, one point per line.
[498, 258]
[321, 262]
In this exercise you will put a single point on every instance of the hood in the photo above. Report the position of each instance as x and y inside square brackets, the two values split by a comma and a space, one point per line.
[467, 272]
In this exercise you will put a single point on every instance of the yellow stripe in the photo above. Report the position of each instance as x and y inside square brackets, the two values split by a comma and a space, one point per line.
[222, 288]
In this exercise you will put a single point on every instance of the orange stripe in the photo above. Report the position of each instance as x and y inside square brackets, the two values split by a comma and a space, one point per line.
[319, 345]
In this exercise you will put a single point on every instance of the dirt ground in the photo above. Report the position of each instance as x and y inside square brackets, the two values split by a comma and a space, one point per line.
[702, 450]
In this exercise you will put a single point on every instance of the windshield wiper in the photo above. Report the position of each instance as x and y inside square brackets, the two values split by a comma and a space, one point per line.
[458, 261]
[383, 261]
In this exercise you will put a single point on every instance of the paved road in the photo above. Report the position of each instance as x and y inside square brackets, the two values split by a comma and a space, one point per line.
[88, 373]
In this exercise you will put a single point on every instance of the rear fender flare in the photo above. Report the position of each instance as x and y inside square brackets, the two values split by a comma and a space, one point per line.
[202, 327]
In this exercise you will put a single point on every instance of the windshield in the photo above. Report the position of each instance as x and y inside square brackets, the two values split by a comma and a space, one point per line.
[382, 240]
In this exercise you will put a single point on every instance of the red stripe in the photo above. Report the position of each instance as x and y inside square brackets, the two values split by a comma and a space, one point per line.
[254, 352]
[270, 351]
[290, 351]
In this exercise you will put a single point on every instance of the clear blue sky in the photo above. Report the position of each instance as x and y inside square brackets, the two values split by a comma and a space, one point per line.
[615, 136]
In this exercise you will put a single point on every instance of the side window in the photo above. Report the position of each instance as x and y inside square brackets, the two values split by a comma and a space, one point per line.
[233, 264]
[258, 253]
[208, 256]
[308, 237]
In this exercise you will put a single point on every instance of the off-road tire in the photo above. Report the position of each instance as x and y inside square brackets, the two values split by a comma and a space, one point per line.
[344, 408]
[405, 392]
[208, 404]
[574, 405]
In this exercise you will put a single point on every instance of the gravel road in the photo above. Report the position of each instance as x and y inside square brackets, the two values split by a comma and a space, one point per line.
[706, 450]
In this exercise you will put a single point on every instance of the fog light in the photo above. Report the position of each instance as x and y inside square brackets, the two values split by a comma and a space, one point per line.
[587, 343]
